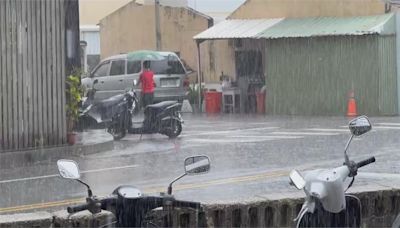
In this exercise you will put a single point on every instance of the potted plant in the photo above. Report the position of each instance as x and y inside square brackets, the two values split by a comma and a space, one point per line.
[74, 92]
[193, 96]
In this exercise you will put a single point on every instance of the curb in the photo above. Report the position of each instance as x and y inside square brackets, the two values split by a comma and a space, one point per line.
[31, 157]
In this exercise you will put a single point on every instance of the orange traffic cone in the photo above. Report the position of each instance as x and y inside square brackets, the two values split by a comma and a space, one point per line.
[351, 105]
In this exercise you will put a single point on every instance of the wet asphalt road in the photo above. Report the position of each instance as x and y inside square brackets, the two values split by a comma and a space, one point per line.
[251, 157]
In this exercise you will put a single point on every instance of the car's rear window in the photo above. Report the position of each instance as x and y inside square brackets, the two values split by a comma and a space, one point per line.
[134, 67]
[117, 67]
[174, 66]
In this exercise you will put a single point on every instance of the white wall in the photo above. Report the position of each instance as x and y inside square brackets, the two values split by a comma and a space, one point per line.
[93, 42]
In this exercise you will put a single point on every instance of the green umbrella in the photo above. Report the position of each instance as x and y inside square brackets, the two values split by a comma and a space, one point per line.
[145, 55]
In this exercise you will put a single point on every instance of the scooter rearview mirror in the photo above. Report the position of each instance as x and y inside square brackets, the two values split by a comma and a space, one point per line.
[68, 169]
[197, 165]
[359, 126]
[193, 166]
[297, 180]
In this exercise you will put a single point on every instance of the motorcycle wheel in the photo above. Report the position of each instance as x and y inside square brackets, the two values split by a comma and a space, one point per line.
[117, 132]
[173, 129]
[118, 126]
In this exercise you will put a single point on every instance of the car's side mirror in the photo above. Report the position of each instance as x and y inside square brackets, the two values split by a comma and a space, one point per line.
[95, 81]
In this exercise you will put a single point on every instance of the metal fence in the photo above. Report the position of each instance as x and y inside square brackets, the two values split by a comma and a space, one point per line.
[33, 63]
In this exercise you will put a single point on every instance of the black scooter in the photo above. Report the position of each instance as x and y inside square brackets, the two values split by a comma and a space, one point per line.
[116, 113]
[130, 207]
[164, 118]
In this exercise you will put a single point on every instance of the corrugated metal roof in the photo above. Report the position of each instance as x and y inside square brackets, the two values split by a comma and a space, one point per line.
[300, 27]
[237, 29]
[330, 26]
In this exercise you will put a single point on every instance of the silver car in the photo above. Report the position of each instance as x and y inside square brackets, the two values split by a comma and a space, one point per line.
[117, 73]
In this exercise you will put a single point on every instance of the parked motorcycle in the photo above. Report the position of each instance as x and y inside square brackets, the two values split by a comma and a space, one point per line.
[164, 118]
[130, 206]
[326, 203]
[116, 113]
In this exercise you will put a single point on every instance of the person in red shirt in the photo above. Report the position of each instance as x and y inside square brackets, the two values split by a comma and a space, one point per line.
[147, 82]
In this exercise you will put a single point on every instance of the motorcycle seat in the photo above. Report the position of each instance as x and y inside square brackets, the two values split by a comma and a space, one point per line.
[109, 102]
[161, 105]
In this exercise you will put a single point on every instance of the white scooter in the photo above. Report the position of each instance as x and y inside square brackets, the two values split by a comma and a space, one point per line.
[326, 203]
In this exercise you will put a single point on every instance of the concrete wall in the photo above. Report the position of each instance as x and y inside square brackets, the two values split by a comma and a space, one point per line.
[313, 76]
[379, 209]
[92, 11]
[133, 28]
[57, 219]
[307, 8]
[217, 56]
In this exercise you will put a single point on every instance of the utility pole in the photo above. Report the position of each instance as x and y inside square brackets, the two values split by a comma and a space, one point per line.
[157, 19]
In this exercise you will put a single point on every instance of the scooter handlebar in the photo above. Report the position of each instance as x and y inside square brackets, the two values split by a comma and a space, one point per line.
[366, 162]
[78, 208]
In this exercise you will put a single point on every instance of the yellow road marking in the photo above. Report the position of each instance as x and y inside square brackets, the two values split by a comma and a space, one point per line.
[232, 180]
[41, 205]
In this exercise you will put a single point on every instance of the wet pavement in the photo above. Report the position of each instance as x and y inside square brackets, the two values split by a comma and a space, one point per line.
[251, 157]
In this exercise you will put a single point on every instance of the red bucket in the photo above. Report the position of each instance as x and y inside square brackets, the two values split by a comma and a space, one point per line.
[213, 102]
[260, 102]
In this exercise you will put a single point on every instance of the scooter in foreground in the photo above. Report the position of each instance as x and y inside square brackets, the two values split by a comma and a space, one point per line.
[326, 203]
[130, 207]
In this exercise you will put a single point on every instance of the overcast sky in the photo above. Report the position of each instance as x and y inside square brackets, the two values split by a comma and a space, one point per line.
[215, 5]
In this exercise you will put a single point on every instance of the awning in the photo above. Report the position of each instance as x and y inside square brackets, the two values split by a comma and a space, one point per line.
[230, 29]
[331, 26]
[300, 27]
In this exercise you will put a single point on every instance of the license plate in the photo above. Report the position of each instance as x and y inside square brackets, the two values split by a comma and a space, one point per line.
[169, 82]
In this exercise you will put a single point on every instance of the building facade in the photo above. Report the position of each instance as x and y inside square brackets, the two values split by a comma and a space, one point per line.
[132, 28]
[302, 62]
